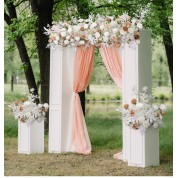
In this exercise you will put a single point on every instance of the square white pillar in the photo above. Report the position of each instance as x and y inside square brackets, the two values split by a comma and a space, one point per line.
[139, 149]
[61, 95]
[31, 138]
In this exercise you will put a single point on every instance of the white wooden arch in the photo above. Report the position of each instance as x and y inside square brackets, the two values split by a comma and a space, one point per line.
[138, 149]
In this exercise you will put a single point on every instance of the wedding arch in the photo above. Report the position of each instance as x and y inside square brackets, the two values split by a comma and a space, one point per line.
[125, 49]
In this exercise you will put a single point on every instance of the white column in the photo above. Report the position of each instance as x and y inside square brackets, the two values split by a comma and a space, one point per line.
[61, 92]
[31, 138]
[138, 149]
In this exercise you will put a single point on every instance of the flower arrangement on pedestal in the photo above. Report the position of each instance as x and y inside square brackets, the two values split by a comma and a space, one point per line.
[27, 111]
[95, 30]
[142, 115]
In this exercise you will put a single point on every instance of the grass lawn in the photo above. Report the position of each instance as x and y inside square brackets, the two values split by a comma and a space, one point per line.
[105, 131]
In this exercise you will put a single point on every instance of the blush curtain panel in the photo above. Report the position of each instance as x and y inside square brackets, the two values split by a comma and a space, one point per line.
[113, 63]
[83, 68]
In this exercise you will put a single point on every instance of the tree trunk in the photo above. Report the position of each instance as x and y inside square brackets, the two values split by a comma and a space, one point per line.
[44, 11]
[12, 82]
[167, 40]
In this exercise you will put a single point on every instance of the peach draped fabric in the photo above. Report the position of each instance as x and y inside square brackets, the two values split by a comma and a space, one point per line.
[113, 63]
[83, 67]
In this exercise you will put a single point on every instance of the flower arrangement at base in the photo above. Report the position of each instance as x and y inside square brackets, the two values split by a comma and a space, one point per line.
[142, 115]
[27, 111]
[96, 30]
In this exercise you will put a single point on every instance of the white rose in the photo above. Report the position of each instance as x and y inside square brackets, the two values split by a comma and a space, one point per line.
[97, 34]
[85, 26]
[71, 40]
[139, 25]
[63, 34]
[163, 107]
[122, 32]
[81, 42]
[146, 124]
[131, 30]
[32, 90]
[115, 30]
[67, 37]
[93, 25]
[80, 20]
[55, 42]
[26, 103]
[69, 30]
[139, 105]
[101, 27]
[155, 125]
[133, 20]
[106, 34]
[113, 23]
[105, 39]
[46, 105]
[40, 105]
[57, 37]
[141, 119]
[77, 38]
[63, 29]
[66, 42]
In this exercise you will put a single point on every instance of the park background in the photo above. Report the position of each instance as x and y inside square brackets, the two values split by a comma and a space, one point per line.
[26, 65]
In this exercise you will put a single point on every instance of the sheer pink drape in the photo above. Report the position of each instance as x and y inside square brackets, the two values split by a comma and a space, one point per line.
[113, 63]
[83, 67]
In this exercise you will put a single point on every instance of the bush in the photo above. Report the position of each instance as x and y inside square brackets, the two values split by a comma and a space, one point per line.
[162, 97]
[102, 99]
[118, 97]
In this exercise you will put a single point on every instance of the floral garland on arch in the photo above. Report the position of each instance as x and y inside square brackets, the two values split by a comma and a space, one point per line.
[95, 30]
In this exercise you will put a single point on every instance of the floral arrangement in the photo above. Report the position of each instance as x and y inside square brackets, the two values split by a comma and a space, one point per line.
[142, 115]
[27, 111]
[95, 30]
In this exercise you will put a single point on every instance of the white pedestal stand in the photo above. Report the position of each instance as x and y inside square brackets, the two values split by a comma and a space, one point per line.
[31, 138]
[138, 149]
[61, 92]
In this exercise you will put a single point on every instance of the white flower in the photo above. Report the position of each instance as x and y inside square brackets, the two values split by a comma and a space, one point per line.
[115, 30]
[141, 119]
[155, 125]
[105, 39]
[133, 20]
[93, 25]
[77, 38]
[32, 90]
[46, 105]
[80, 20]
[70, 30]
[66, 42]
[40, 105]
[146, 124]
[122, 32]
[26, 103]
[67, 37]
[131, 30]
[113, 23]
[139, 25]
[101, 27]
[97, 34]
[63, 34]
[85, 26]
[90, 37]
[63, 29]
[155, 107]
[139, 105]
[163, 107]
[72, 40]
[106, 34]
[81, 42]
[55, 42]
